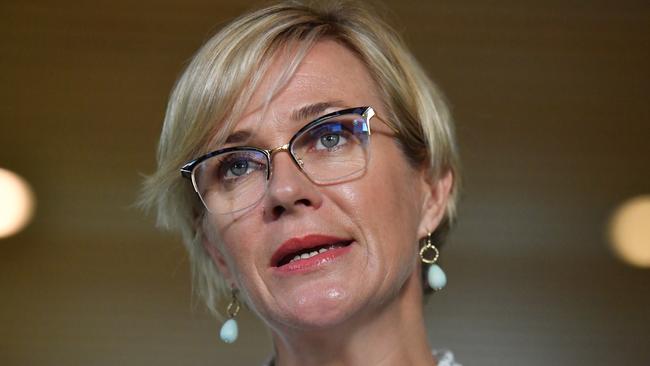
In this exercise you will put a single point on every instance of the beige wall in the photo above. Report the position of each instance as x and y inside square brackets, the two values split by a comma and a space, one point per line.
[551, 99]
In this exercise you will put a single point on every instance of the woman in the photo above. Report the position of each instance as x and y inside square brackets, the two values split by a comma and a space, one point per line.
[321, 173]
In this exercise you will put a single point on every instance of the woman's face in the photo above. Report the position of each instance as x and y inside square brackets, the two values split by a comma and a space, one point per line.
[376, 219]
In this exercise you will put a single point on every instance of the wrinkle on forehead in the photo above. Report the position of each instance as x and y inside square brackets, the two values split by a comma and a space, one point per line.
[282, 125]
[283, 62]
[260, 110]
[316, 78]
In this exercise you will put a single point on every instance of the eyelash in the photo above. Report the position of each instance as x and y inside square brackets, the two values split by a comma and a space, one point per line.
[224, 167]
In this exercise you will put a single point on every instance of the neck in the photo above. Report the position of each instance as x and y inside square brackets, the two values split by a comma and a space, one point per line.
[393, 334]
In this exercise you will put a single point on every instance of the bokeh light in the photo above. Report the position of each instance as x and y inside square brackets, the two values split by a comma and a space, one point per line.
[16, 203]
[630, 231]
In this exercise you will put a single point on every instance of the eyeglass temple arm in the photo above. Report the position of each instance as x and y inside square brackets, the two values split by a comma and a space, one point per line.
[372, 113]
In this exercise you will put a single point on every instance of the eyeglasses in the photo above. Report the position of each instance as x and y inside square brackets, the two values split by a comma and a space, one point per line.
[331, 149]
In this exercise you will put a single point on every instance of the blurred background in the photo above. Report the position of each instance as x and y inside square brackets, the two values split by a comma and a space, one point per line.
[551, 104]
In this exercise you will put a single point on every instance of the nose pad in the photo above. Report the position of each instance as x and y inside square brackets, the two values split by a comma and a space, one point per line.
[285, 148]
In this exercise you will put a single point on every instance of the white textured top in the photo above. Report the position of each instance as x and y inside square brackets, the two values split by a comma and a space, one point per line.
[444, 357]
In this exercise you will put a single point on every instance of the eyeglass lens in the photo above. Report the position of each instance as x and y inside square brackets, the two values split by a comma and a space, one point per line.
[332, 150]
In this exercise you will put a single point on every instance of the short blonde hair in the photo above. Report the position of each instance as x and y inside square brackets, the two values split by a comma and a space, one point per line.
[211, 93]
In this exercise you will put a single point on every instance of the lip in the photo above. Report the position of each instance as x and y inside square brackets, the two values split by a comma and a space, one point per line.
[294, 245]
[313, 263]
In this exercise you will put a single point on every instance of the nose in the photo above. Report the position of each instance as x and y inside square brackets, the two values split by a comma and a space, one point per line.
[289, 190]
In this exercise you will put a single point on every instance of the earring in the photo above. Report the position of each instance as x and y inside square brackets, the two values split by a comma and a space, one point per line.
[436, 277]
[229, 329]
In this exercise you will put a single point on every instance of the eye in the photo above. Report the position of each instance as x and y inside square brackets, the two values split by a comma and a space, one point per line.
[239, 165]
[330, 141]
[330, 137]
[238, 168]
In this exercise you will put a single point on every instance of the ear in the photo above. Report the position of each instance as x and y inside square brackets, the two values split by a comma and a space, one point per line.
[218, 258]
[436, 196]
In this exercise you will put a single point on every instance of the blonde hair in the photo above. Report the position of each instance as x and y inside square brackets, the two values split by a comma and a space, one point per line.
[211, 94]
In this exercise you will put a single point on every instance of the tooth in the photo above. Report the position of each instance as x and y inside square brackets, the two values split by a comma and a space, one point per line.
[295, 258]
[322, 250]
[311, 254]
[304, 256]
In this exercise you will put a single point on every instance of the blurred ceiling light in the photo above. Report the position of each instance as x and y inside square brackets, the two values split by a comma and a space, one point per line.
[16, 203]
[630, 231]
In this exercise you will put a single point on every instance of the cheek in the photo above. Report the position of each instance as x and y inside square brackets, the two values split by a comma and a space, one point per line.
[392, 198]
[386, 207]
[398, 218]
[236, 242]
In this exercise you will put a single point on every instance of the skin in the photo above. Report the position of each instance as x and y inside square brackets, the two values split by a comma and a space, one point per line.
[369, 298]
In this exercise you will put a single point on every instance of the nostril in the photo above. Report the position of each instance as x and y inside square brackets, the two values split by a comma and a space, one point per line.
[278, 211]
[304, 202]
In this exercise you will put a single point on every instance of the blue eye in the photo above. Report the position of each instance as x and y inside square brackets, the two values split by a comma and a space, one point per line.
[238, 168]
[239, 165]
[330, 136]
[330, 142]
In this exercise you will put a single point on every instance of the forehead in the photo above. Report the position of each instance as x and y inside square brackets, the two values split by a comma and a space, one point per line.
[328, 73]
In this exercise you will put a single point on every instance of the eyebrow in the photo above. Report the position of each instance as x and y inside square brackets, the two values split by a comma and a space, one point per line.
[238, 137]
[304, 113]
[314, 110]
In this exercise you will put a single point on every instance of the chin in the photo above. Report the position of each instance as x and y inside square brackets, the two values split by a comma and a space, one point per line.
[319, 308]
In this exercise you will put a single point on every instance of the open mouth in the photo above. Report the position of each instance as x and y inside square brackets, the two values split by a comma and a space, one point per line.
[307, 247]
[310, 252]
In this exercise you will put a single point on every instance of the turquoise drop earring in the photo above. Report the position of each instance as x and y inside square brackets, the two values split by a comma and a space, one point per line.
[229, 329]
[436, 277]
